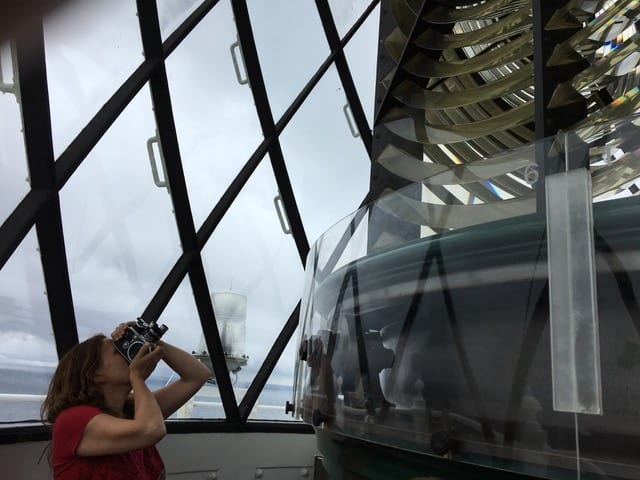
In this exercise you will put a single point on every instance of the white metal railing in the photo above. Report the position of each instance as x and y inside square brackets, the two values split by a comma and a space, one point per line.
[185, 411]
[21, 397]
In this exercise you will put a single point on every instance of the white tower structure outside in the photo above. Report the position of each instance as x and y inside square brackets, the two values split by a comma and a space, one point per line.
[230, 309]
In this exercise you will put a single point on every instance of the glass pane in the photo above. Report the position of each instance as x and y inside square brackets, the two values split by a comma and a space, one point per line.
[331, 179]
[248, 254]
[404, 350]
[345, 14]
[444, 344]
[27, 351]
[171, 13]
[279, 388]
[362, 57]
[185, 332]
[91, 48]
[120, 231]
[291, 46]
[14, 183]
[215, 116]
[603, 440]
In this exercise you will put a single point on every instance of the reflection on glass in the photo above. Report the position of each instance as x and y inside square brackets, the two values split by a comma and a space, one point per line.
[27, 352]
[215, 116]
[171, 13]
[441, 344]
[248, 254]
[345, 14]
[322, 154]
[291, 46]
[120, 232]
[362, 57]
[91, 48]
[185, 332]
[13, 182]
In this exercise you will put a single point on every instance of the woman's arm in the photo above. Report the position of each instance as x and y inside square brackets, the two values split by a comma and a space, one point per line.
[107, 435]
[193, 374]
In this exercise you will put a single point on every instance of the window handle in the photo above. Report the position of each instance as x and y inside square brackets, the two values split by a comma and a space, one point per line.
[282, 215]
[160, 182]
[347, 113]
[235, 51]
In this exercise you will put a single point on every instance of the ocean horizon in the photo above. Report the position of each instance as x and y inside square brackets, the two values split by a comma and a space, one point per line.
[35, 381]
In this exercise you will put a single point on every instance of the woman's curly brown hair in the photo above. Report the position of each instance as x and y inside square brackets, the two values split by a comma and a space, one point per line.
[73, 382]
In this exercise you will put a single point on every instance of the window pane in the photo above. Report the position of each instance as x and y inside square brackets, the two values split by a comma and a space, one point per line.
[250, 255]
[185, 332]
[27, 351]
[279, 388]
[171, 13]
[345, 13]
[331, 179]
[13, 181]
[91, 48]
[215, 116]
[362, 56]
[291, 45]
[120, 231]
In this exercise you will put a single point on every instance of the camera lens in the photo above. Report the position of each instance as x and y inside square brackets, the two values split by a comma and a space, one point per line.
[133, 349]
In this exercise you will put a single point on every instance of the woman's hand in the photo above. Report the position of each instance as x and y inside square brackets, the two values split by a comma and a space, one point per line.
[145, 361]
[120, 329]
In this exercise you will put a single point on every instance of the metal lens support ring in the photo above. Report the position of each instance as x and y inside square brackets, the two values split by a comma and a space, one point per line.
[531, 174]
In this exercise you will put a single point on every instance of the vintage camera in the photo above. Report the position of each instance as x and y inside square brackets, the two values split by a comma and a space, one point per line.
[136, 336]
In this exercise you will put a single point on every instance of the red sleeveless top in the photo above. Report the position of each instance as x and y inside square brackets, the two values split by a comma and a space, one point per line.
[145, 464]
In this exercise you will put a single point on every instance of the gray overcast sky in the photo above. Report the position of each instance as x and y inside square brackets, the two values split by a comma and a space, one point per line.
[119, 228]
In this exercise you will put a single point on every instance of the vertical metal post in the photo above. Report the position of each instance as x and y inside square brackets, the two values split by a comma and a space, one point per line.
[36, 117]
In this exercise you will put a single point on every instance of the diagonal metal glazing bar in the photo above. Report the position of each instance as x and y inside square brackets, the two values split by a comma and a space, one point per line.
[212, 220]
[269, 128]
[397, 76]
[350, 91]
[36, 119]
[20, 221]
[259, 92]
[304, 93]
[24, 216]
[175, 38]
[13, 230]
[159, 86]
[169, 285]
[251, 396]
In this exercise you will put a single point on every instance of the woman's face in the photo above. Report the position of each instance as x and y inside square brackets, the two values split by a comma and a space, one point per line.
[114, 368]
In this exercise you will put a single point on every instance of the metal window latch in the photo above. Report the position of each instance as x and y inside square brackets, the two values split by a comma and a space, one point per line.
[160, 182]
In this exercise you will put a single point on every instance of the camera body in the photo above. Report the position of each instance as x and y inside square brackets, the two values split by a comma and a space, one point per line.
[135, 336]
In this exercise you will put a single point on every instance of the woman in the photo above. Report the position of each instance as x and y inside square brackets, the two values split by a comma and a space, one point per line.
[106, 421]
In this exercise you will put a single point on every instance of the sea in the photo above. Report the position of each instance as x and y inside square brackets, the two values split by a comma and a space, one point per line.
[21, 394]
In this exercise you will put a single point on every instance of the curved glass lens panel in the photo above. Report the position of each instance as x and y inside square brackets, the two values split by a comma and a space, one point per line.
[91, 48]
[121, 236]
[434, 327]
[27, 352]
